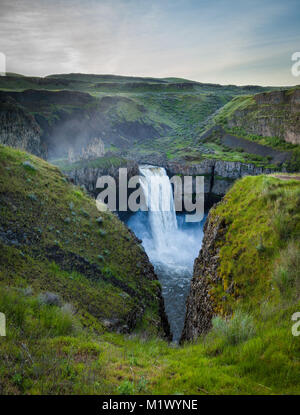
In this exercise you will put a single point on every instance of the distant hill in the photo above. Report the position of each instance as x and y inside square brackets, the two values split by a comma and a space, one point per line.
[132, 114]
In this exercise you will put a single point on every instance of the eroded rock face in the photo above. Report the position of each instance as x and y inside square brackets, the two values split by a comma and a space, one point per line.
[200, 305]
[87, 176]
[19, 129]
[274, 114]
[219, 175]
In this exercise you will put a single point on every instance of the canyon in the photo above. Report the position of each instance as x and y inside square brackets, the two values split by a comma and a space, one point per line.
[113, 291]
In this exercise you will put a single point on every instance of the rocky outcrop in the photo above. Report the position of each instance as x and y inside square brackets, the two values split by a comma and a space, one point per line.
[273, 114]
[87, 176]
[219, 175]
[200, 307]
[19, 129]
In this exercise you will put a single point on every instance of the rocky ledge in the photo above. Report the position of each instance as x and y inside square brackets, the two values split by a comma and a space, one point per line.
[219, 175]
[87, 176]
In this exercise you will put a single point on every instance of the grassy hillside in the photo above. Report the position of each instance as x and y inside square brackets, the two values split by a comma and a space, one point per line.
[139, 115]
[261, 219]
[268, 119]
[53, 237]
[51, 242]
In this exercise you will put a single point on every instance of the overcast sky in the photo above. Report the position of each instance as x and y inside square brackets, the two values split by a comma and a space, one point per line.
[219, 41]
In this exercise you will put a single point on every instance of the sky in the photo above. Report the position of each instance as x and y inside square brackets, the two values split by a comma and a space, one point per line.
[217, 41]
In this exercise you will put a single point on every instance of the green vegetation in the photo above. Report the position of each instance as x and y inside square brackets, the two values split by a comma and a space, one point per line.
[268, 120]
[138, 115]
[238, 103]
[57, 341]
[287, 272]
[262, 216]
[143, 116]
[101, 163]
[236, 330]
[50, 241]
[274, 142]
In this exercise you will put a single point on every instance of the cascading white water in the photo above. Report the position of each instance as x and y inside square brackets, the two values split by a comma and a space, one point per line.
[170, 242]
[160, 203]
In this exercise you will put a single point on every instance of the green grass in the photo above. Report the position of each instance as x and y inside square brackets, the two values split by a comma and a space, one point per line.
[242, 117]
[259, 212]
[287, 272]
[65, 349]
[237, 103]
[173, 117]
[59, 245]
[102, 163]
[47, 351]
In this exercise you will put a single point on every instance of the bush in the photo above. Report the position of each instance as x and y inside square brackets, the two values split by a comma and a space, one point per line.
[287, 272]
[236, 330]
[29, 316]
[49, 298]
[125, 388]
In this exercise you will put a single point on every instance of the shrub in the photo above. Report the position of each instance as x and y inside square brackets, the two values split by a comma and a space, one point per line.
[125, 388]
[49, 298]
[287, 272]
[236, 330]
[142, 384]
[29, 166]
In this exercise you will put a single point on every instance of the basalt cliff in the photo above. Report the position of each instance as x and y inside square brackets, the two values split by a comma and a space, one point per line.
[239, 259]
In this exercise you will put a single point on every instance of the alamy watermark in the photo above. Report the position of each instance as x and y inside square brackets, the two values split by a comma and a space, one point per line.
[2, 64]
[296, 66]
[2, 325]
[153, 195]
[296, 326]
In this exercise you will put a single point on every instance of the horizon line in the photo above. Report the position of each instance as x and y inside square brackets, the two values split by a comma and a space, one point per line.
[145, 76]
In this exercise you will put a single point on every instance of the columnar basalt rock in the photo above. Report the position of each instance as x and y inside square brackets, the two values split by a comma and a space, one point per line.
[200, 307]
[273, 114]
[87, 176]
[219, 175]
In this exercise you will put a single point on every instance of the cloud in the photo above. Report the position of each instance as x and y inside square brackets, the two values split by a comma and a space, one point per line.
[217, 41]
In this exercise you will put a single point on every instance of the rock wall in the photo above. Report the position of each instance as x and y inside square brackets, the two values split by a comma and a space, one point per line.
[200, 307]
[87, 176]
[19, 129]
[219, 175]
[274, 114]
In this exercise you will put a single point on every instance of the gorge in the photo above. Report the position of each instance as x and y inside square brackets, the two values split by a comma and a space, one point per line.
[145, 302]
[171, 244]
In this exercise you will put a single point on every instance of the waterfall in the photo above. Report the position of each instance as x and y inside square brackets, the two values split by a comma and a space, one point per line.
[171, 244]
[160, 203]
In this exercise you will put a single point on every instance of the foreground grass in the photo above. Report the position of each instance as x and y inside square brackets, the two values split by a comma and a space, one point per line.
[63, 347]
[47, 351]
